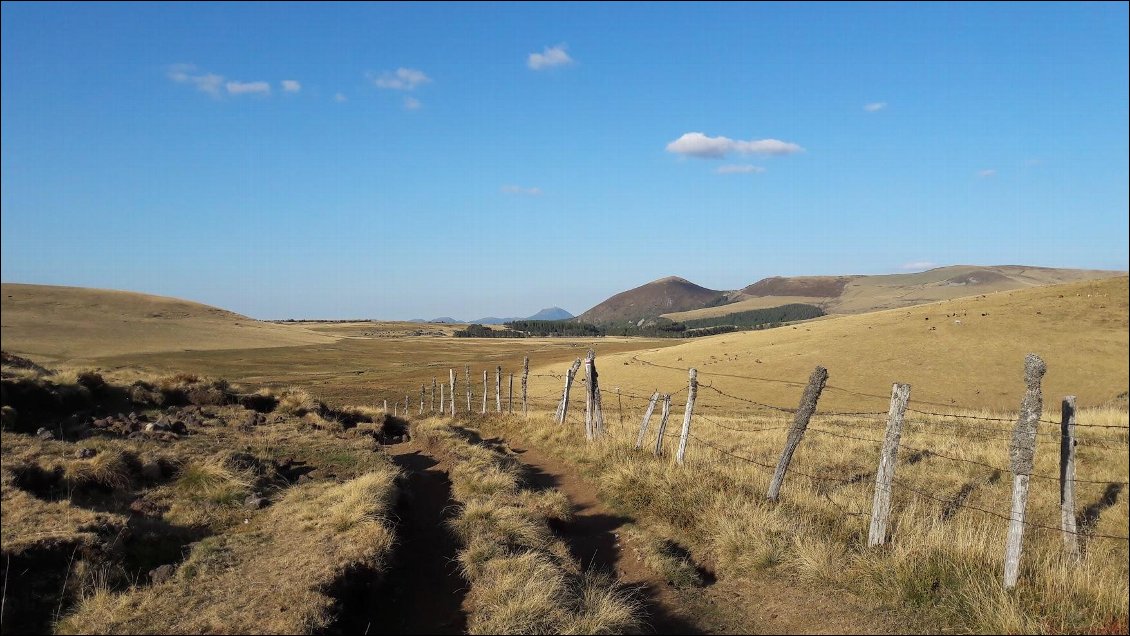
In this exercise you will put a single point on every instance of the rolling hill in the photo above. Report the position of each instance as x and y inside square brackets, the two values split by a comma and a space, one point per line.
[647, 302]
[57, 324]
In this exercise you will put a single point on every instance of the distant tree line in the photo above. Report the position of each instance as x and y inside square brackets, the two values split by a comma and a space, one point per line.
[661, 328]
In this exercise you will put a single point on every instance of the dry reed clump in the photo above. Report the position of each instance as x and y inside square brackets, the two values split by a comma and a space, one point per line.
[522, 579]
[944, 561]
[274, 576]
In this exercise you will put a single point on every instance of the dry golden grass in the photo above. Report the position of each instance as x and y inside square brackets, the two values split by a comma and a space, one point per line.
[942, 570]
[522, 579]
[271, 577]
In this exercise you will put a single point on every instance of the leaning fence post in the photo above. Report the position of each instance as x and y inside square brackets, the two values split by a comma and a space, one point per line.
[498, 389]
[662, 425]
[804, 412]
[646, 419]
[1021, 453]
[563, 408]
[1067, 479]
[881, 506]
[525, 380]
[467, 377]
[484, 392]
[692, 391]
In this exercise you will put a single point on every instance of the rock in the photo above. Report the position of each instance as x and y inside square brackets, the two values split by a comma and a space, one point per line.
[151, 471]
[179, 428]
[44, 434]
[255, 502]
[85, 453]
[159, 575]
[149, 428]
[7, 416]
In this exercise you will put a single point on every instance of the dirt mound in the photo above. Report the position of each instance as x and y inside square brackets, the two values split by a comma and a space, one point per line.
[651, 300]
[815, 286]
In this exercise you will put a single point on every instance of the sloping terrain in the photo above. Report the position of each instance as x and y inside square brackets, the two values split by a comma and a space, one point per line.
[861, 294]
[648, 301]
[55, 323]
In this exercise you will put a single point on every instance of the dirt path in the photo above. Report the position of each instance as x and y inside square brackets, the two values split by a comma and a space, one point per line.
[767, 605]
[423, 593]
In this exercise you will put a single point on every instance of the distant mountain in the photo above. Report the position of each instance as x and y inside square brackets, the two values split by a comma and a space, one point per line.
[491, 320]
[552, 313]
[446, 320]
[647, 302]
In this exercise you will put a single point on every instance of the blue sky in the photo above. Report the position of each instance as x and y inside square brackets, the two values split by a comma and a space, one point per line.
[400, 161]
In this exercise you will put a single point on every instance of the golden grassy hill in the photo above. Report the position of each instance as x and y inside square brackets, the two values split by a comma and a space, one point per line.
[861, 294]
[62, 324]
[966, 352]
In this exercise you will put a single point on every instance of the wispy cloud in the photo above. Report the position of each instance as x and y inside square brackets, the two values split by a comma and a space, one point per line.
[513, 189]
[204, 82]
[696, 144]
[874, 107]
[411, 103]
[402, 79]
[340, 97]
[740, 169]
[919, 265]
[549, 57]
[245, 88]
[291, 86]
[984, 174]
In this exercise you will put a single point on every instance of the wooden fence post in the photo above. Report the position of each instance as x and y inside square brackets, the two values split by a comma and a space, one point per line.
[563, 407]
[385, 409]
[1067, 479]
[442, 399]
[620, 408]
[881, 505]
[510, 397]
[394, 409]
[804, 412]
[646, 419]
[525, 381]
[498, 389]
[467, 377]
[692, 391]
[452, 372]
[422, 399]
[662, 425]
[433, 394]
[590, 401]
[1021, 453]
[405, 405]
[484, 392]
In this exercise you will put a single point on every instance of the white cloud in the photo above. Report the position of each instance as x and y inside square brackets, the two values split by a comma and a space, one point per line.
[291, 86]
[549, 57]
[204, 82]
[740, 169]
[696, 144]
[242, 88]
[411, 103]
[402, 79]
[513, 189]
[874, 106]
[340, 97]
[919, 265]
[987, 173]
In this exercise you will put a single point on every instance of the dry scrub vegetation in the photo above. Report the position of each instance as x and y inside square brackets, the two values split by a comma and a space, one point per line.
[942, 569]
[522, 579]
[181, 504]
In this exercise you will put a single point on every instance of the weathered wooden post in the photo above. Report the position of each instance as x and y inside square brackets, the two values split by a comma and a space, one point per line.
[510, 397]
[590, 399]
[1067, 479]
[433, 394]
[452, 372]
[405, 405]
[881, 505]
[393, 409]
[692, 391]
[385, 410]
[620, 408]
[1021, 453]
[804, 412]
[422, 392]
[498, 389]
[484, 392]
[563, 408]
[646, 419]
[525, 383]
[467, 377]
[662, 425]
[441, 398]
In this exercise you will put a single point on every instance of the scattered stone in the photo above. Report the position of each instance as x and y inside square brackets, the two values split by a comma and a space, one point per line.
[44, 434]
[255, 502]
[85, 453]
[160, 574]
